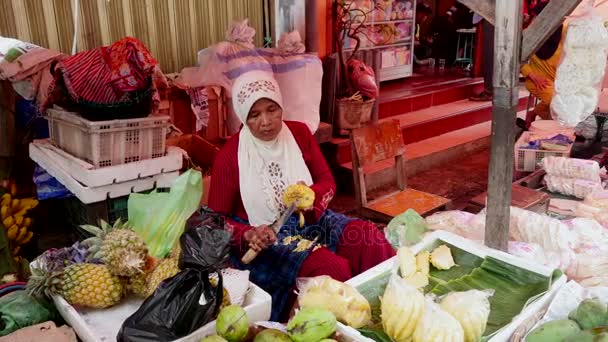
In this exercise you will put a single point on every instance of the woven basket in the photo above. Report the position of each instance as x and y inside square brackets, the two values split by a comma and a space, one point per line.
[352, 114]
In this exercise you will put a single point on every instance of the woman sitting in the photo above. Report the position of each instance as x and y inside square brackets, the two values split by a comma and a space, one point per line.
[541, 68]
[249, 177]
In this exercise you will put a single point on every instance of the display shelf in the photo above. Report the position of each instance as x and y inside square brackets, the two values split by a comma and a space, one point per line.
[390, 28]
[407, 43]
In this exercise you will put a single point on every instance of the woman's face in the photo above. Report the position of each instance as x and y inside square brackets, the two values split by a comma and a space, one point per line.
[265, 119]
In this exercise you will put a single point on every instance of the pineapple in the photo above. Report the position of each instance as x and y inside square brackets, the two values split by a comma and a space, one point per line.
[225, 297]
[302, 196]
[89, 285]
[117, 246]
[442, 258]
[166, 269]
[176, 251]
[137, 285]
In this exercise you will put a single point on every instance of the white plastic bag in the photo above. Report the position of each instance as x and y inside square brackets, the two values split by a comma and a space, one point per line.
[572, 168]
[571, 186]
[526, 250]
[589, 233]
[457, 222]
[549, 233]
[580, 73]
[343, 300]
[590, 267]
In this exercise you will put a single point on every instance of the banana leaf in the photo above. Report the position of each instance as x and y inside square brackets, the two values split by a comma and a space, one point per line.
[513, 288]
[465, 264]
[375, 334]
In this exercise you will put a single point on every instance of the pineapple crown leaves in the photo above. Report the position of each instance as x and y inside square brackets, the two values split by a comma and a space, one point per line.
[43, 282]
[98, 235]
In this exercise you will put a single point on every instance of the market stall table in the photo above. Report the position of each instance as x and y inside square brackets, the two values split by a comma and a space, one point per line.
[522, 197]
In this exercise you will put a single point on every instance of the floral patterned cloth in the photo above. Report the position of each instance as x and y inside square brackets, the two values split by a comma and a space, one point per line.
[130, 64]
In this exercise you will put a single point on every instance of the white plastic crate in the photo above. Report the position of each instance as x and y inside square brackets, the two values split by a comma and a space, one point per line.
[107, 143]
[350, 334]
[528, 160]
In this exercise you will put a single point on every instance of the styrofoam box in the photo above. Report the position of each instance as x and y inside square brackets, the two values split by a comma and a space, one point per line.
[88, 194]
[352, 335]
[103, 325]
[90, 176]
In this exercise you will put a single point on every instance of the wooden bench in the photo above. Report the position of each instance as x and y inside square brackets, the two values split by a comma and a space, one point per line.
[376, 143]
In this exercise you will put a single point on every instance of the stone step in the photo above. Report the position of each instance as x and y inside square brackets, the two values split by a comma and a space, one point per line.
[427, 123]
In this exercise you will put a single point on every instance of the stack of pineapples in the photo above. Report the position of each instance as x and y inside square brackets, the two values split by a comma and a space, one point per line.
[101, 270]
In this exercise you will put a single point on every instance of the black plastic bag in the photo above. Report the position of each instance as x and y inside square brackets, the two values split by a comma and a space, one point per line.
[186, 302]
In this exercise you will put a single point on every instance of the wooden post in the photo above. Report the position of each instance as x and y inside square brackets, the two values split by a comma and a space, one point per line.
[507, 46]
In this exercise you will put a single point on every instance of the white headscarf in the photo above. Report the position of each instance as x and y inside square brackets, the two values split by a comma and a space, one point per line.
[266, 168]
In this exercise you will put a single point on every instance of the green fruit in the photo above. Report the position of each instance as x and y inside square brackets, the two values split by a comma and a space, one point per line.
[588, 336]
[213, 338]
[328, 340]
[272, 335]
[554, 331]
[591, 313]
[311, 324]
[232, 323]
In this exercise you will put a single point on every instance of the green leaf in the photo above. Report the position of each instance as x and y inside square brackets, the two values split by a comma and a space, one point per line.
[376, 335]
[95, 231]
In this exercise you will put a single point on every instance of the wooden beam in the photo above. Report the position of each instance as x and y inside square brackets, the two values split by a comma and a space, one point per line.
[507, 44]
[484, 8]
[544, 25]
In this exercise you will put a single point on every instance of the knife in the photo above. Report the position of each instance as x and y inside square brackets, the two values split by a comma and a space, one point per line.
[276, 226]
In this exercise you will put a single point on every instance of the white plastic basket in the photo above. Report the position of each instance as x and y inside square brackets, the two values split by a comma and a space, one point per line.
[107, 143]
[528, 160]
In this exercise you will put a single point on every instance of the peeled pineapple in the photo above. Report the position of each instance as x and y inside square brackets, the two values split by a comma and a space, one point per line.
[89, 285]
[344, 301]
[423, 262]
[302, 195]
[401, 307]
[442, 258]
[437, 325]
[414, 269]
[471, 309]
[407, 262]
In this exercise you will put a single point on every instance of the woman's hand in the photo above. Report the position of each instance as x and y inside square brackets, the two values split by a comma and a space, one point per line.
[260, 238]
[539, 81]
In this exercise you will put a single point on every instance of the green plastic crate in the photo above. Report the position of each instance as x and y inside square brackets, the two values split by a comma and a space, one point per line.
[79, 213]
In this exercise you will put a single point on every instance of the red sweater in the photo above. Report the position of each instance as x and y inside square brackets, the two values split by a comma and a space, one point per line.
[225, 195]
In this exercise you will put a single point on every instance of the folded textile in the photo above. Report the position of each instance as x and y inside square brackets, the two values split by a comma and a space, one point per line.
[120, 75]
[557, 142]
[27, 66]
